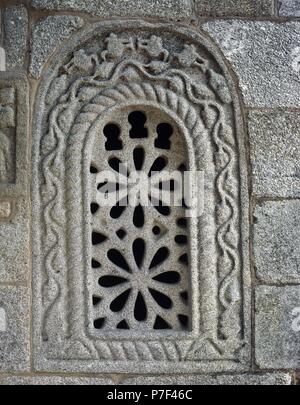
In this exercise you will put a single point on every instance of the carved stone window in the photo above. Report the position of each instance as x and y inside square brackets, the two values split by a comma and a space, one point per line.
[132, 288]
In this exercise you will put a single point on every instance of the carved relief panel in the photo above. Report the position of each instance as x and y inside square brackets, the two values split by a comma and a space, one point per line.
[139, 288]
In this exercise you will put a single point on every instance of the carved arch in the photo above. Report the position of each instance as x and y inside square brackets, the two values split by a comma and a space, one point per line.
[76, 92]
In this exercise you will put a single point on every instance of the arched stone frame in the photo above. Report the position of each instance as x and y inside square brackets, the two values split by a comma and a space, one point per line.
[63, 342]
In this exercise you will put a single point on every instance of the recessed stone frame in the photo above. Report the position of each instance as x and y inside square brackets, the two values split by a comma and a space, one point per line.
[109, 66]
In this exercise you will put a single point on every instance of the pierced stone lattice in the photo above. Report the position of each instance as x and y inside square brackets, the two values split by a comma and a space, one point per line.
[140, 253]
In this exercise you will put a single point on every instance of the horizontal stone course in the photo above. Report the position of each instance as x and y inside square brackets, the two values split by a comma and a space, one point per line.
[241, 8]
[14, 243]
[48, 34]
[55, 380]
[275, 153]
[222, 379]
[174, 9]
[277, 241]
[277, 327]
[265, 57]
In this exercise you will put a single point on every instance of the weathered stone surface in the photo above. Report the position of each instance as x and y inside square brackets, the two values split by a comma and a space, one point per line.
[175, 9]
[289, 8]
[277, 327]
[275, 153]
[14, 244]
[236, 379]
[55, 380]
[14, 146]
[169, 78]
[5, 209]
[233, 8]
[14, 339]
[48, 34]
[277, 241]
[3, 323]
[266, 58]
[15, 36]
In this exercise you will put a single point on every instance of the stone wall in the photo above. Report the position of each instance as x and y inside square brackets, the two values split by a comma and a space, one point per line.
[258, 43]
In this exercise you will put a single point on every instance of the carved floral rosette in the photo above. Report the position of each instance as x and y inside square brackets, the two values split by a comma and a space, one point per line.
[185, 78]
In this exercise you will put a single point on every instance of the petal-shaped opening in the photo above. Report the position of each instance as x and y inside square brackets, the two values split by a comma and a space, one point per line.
[119, 303]
[169, 277]
[138, 217]
[161, 299]
[111, 281]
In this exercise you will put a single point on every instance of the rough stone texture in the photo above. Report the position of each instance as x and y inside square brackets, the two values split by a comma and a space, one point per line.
[40, 380]
[5, 209]
[48, 34]
[15, 36]
[289, 8]
[14, 245]
[173, 9]
[2, 60]
[266, 58]
[14, 341]
[275, 153]
[189, 74]
[277, 241]
[277, 327]
[236, 379]
[232, 8]
[14, 135]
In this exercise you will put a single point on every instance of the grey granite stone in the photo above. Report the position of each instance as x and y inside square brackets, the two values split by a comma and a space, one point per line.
[277, 241]
[15, 36]
[277, 327]
[134, 54]
[14, 244]
[55, 380]
[48, 34]
[174, 9]
[266, 58]
[289, 8]
[233, 8]
[234, 379]
[275, 153]
[14, 338]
